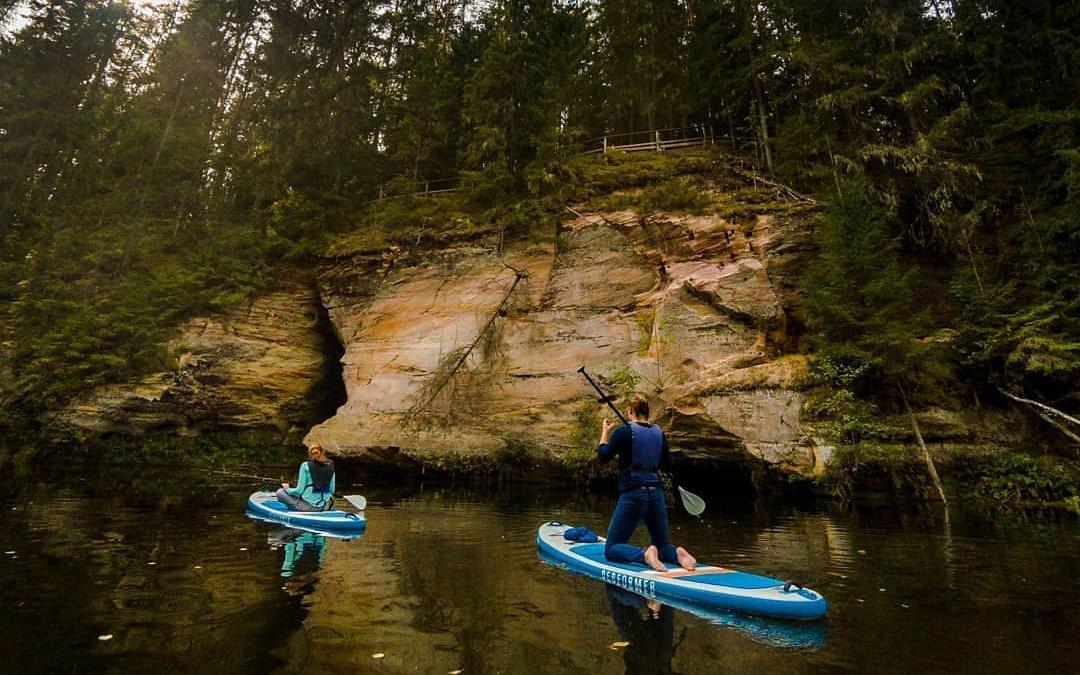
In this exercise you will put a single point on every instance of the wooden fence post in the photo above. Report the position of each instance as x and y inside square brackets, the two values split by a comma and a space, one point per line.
[657, 134]
[605, 145]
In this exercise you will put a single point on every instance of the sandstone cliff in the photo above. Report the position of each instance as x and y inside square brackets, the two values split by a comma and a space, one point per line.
[473, 345]
[253, 368]
[461, 343]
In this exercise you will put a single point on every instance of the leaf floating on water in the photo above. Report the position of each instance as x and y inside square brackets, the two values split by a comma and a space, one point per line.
[905, 606]
[198, 567]
[105, 638]
[151, 563]
[861, 552]
[243, 548]
[459, 671]
[881, 590]
[378, 655]
[859, 600]
[618, 645]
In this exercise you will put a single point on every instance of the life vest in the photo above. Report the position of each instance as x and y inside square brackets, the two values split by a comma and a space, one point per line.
[321, 475]
[641, 464]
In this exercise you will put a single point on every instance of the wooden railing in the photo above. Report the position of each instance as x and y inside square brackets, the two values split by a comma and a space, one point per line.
[400, 189]
[655, 140]
[659, 140]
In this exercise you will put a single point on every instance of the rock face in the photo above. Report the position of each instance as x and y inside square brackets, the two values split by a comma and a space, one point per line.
[251, 369]
[471, 348]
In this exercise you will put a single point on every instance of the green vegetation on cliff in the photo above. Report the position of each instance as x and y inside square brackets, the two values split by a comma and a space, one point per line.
[159, 162]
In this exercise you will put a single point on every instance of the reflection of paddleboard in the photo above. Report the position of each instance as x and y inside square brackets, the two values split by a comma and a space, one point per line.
[334, 523]
[708, 587]
[771, 632]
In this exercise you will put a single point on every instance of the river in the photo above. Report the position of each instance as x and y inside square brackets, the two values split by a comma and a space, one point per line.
[159, 570]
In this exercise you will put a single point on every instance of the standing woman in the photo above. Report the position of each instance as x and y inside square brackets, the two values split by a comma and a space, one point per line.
[642, 450]
[314, 489]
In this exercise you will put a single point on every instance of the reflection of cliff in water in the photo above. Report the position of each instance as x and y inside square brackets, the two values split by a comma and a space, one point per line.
[159, 563]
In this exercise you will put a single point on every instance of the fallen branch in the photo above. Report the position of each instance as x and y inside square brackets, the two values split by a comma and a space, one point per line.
[462, 355]
[784, 190]
[602, 217]
[245, 476]
[1060, 427]
[1042, 406]
[930, 468]
[1035, 408]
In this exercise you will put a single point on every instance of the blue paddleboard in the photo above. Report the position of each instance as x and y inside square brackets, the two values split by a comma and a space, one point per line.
[708, 586]
[265, 506]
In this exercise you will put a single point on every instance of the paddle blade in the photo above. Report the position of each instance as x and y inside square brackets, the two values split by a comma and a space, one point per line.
[357, 500]
[693, 504]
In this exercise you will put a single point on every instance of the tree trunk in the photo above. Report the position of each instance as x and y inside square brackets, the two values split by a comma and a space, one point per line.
[20, 177]
[128, 243]
[930, 468]
[755, 85]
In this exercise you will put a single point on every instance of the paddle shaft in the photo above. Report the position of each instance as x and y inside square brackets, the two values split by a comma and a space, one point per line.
[603, 396]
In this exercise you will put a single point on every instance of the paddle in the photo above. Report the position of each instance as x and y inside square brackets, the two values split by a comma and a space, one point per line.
[356, 500]
[693, 504]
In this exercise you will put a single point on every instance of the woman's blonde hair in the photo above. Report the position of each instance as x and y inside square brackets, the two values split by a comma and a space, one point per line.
[639, 406]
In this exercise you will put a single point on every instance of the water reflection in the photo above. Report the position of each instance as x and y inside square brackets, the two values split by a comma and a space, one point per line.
[295, 544]
[777, 633]
[649, 628]
[447, 578]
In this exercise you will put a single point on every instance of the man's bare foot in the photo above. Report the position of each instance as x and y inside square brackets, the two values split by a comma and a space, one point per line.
[652, 559]
[686, 561]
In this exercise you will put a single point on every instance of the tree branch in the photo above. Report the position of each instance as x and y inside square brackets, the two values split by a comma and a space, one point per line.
[442, 380]
[1041, 406]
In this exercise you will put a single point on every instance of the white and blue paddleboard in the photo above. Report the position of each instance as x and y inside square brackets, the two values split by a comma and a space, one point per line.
[708, 586]
[265, 506]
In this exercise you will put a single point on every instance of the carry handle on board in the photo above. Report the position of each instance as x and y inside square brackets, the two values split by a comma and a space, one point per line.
[693, 504]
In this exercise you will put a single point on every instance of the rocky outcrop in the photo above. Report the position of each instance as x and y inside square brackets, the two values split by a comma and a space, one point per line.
[250, 369]
[473, 346]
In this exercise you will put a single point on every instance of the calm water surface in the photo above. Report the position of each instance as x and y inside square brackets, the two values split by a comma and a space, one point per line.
[447, 578]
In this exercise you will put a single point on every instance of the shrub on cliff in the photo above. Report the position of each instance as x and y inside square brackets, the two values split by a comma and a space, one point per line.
[1016, 480]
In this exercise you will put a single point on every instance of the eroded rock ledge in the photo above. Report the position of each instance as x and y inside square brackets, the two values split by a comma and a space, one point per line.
[254, 368]
[468, 348]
